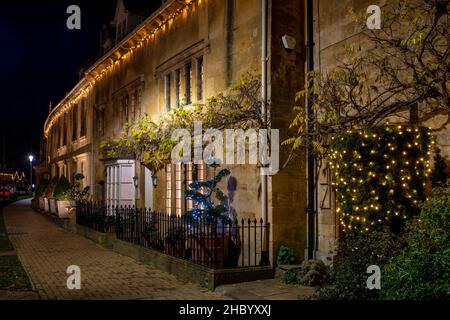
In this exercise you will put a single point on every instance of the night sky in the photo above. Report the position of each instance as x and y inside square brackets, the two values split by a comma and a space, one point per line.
[40, 60]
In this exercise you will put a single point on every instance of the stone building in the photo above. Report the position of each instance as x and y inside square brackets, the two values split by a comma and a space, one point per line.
[189, 50]
[185, 51]
[334, 27]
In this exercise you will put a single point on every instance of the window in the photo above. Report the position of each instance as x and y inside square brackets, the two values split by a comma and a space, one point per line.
[119, 31]
[59, 140]
[188, 82]
[134, 105]
[200, 78]
[64, 133]
[167, 92]
[75, 123]
[188, 180]
[177, 87]
[178, 189]
[169, 189]
[125, 110]
[83, 119]
[100, 121]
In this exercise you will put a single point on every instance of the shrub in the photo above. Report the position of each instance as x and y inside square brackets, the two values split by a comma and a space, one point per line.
[347, 279]
[379, 176]
[40, 189]
[61, 187]
[422, 271]
[439, 175]
[285, 255]
[50, 187]
[290, 276]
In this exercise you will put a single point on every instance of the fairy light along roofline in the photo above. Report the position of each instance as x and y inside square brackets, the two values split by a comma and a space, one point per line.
[135, 40]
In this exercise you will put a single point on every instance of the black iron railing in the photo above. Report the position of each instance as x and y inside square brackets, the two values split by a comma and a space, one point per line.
[217, 243]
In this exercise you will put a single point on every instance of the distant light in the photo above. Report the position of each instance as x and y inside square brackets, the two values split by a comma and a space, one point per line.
[31, 158]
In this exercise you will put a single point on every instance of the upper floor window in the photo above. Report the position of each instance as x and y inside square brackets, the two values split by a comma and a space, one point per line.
[64, 133]
[83, 119]
[100, 121]
[74, 123]
[188, 82]
[177, 87]
[126, 109]
[200, 78]
[167, 92]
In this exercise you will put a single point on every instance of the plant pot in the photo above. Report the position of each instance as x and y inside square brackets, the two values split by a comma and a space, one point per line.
[53, 209]
[46, 205]
[63, 208]
[210, 251]
[41, 203]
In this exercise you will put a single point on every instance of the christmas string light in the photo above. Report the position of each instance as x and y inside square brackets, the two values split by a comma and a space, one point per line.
[137, 40]
[398, 158]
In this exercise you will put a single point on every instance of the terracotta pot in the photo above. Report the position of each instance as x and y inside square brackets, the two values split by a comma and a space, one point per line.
[210, 251]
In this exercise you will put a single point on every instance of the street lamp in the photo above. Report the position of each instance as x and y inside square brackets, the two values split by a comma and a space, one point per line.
[31, 171]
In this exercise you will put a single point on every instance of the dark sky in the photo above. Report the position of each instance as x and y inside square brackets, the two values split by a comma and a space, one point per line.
[39, 63]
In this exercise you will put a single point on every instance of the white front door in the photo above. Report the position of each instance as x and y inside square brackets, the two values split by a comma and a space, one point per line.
[120, 190]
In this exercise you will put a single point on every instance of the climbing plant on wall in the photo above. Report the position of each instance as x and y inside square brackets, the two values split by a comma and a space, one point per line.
[379, 176]
[149, 140]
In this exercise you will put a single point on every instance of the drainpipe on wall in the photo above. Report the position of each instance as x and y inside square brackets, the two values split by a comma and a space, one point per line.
[264, 59]
[311, 161]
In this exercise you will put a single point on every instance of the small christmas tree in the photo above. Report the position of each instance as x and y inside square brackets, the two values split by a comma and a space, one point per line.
[200, 193]
[439, 175]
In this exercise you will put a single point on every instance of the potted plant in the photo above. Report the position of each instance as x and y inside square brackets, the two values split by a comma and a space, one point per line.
[213, 244]
[39, 193]
[48, 194]
[61, 196]
[75, 193]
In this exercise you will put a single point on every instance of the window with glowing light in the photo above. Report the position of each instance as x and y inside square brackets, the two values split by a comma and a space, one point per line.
[167, 92]
[168, 189]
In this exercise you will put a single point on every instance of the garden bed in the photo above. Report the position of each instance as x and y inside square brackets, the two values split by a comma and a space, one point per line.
[12, 274]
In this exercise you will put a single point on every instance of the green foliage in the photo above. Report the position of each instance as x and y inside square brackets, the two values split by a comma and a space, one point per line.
[422, 270]
[40, 189]
[201, 193]
[285, 256]
[290, 276]
[379, 176]
[439, 175]
[151, 141]
[49, 189]
[347, 279]
[61, 188]
[75, 192]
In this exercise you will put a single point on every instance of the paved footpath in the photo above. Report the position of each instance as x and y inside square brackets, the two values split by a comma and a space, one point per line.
[46, 251]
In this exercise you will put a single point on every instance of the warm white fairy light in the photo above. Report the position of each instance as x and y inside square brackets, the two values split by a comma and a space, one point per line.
[109, 67]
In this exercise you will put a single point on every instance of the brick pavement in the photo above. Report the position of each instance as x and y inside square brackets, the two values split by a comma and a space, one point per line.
[46, 251]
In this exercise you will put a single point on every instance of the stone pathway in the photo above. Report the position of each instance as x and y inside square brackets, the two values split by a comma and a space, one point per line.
[46, 251]
[271, 289]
